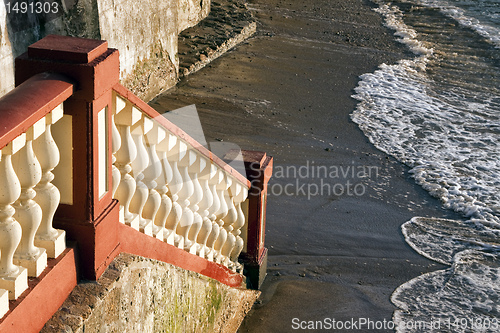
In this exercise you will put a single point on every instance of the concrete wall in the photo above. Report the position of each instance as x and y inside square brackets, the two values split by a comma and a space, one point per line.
[144, 31]
[136, 294]
[191, 12]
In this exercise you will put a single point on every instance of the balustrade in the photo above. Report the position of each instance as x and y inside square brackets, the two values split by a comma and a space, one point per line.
[12, 277]
[171, 191]
[28, 201]
[167, 185]
[166, 188]
[174, 185]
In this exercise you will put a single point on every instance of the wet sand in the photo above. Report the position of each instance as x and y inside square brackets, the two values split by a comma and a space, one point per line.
[287, 91]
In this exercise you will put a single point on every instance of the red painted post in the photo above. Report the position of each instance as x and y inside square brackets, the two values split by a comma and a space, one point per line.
[259, 169]
[92, 218]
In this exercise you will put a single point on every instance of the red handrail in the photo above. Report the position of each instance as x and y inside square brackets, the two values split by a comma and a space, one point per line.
[31, 101]
[144, 107]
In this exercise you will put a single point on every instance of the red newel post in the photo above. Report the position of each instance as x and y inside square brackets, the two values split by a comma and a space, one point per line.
[91, 216]
[259, 169]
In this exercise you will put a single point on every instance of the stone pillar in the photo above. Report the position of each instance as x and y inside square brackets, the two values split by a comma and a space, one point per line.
[90, 216]
[259, 169]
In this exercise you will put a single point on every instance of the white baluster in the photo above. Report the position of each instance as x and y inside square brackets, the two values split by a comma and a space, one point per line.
[214, 234]
[118, 105]
[176, 152]
[47, 195]
[185, 194]
[151, 174]
[138, 166]
[194, 171]
[165, 178]
[166, 203]
[240, 222]
[124, 157]
[12, 277]
[205, 204]
[126, 189]
[28, 212]
[223, 210]
[229, 220]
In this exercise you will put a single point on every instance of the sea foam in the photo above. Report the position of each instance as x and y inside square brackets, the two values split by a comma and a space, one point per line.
[488, 12]
[447, 130]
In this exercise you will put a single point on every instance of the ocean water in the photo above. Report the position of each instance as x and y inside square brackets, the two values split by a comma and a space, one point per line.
[439, 113]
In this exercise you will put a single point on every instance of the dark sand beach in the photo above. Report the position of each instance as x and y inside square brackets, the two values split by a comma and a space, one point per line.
[287, 91]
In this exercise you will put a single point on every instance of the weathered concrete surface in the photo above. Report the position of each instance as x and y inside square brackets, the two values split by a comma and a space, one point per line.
[136, 294]
[144, 31]
[191, 12]
[228, 24]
